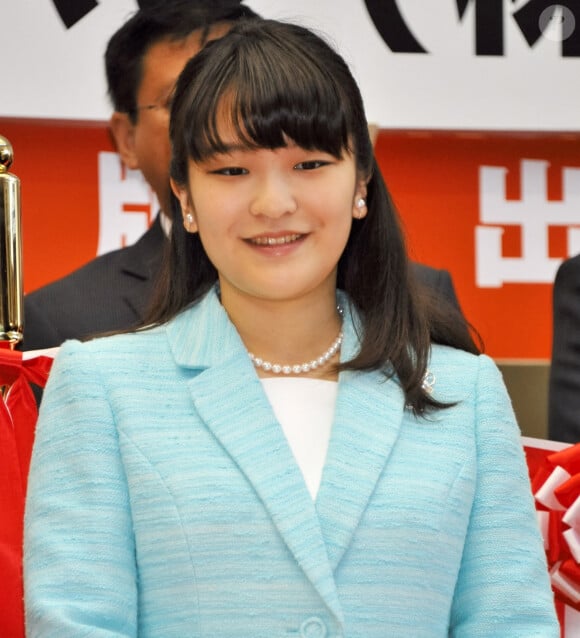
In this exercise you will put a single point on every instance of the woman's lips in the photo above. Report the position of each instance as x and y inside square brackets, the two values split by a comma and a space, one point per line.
[277, 240]
[278, 245]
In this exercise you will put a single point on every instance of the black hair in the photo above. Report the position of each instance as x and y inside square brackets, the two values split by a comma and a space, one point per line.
[171, 20]
[280, 81]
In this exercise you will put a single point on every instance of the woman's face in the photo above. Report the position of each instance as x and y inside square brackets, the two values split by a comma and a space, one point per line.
[274, 223]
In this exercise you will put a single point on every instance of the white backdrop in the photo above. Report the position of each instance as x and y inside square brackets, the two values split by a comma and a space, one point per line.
[49, 71]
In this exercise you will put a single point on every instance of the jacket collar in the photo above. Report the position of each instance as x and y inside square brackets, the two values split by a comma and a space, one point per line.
[141, 262]
[228, 396]
[143, 258]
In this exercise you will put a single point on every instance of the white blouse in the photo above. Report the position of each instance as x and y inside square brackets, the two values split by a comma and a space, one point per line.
[305, 409]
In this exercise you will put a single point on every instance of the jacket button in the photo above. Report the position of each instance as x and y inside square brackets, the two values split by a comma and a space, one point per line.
[313, 628]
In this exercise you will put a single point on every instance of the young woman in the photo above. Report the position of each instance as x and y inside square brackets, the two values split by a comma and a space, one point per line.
[301, 443]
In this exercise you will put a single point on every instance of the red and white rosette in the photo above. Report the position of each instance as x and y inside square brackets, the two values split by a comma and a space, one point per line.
[555, 476]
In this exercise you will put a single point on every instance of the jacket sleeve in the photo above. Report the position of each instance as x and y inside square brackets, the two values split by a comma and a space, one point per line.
[503, 586]
[564, 392]
[79, 556]
[39, 330]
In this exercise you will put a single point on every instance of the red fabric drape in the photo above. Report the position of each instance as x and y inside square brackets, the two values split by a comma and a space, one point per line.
[18, 413]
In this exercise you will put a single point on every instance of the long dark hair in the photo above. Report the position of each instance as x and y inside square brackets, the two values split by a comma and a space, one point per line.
[282, 81]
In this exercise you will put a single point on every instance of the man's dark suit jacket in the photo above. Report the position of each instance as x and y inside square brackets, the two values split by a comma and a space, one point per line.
[112, 291]
[564, 389]
[109, 293]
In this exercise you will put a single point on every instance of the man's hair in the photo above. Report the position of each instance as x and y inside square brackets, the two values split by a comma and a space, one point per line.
[171, 20]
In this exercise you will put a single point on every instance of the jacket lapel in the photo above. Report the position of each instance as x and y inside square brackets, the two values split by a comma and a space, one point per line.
[368, 416]
[140, 264]
[228, 397]
[367, 421]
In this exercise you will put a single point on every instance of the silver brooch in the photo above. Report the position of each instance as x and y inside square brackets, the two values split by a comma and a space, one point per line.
[428, 382]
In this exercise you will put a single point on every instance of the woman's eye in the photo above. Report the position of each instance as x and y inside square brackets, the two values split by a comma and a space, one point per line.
[230, 171]
[310, 165]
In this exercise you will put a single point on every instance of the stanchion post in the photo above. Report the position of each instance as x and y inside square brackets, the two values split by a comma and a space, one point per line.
[11, 289]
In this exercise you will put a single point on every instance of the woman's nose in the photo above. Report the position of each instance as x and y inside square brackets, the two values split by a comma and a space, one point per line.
[273, 197]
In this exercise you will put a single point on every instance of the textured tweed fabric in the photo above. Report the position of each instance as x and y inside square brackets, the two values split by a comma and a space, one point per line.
[164, 501]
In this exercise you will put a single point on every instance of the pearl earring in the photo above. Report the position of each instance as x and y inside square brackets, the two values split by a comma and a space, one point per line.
[360, 204]
[189, 219]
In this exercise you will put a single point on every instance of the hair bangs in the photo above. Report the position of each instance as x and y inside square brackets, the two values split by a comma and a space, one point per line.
[248, 105]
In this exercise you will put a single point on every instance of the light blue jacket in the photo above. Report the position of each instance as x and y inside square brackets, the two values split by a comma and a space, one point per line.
[164, 501]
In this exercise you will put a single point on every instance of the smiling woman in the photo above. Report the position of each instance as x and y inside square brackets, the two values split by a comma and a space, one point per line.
[301, 441]
[263, 213]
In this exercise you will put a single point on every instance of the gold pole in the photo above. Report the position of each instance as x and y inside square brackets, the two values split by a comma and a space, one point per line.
[11, 289]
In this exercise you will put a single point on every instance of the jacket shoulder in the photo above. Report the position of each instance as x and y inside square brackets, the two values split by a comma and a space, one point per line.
[92, 272]
[462, 376]
[568, 273]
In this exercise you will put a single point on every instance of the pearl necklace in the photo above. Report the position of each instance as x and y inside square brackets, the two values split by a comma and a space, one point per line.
[300, 368]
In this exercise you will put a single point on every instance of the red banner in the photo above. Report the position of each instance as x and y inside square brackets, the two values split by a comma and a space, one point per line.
[498, 210]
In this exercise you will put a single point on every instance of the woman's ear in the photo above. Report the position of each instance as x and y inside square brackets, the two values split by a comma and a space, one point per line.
[360, 208]
[123, 132]
[182, 195]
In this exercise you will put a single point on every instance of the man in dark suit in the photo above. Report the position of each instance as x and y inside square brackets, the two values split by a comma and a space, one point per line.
[564, 388]
[143, 59]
